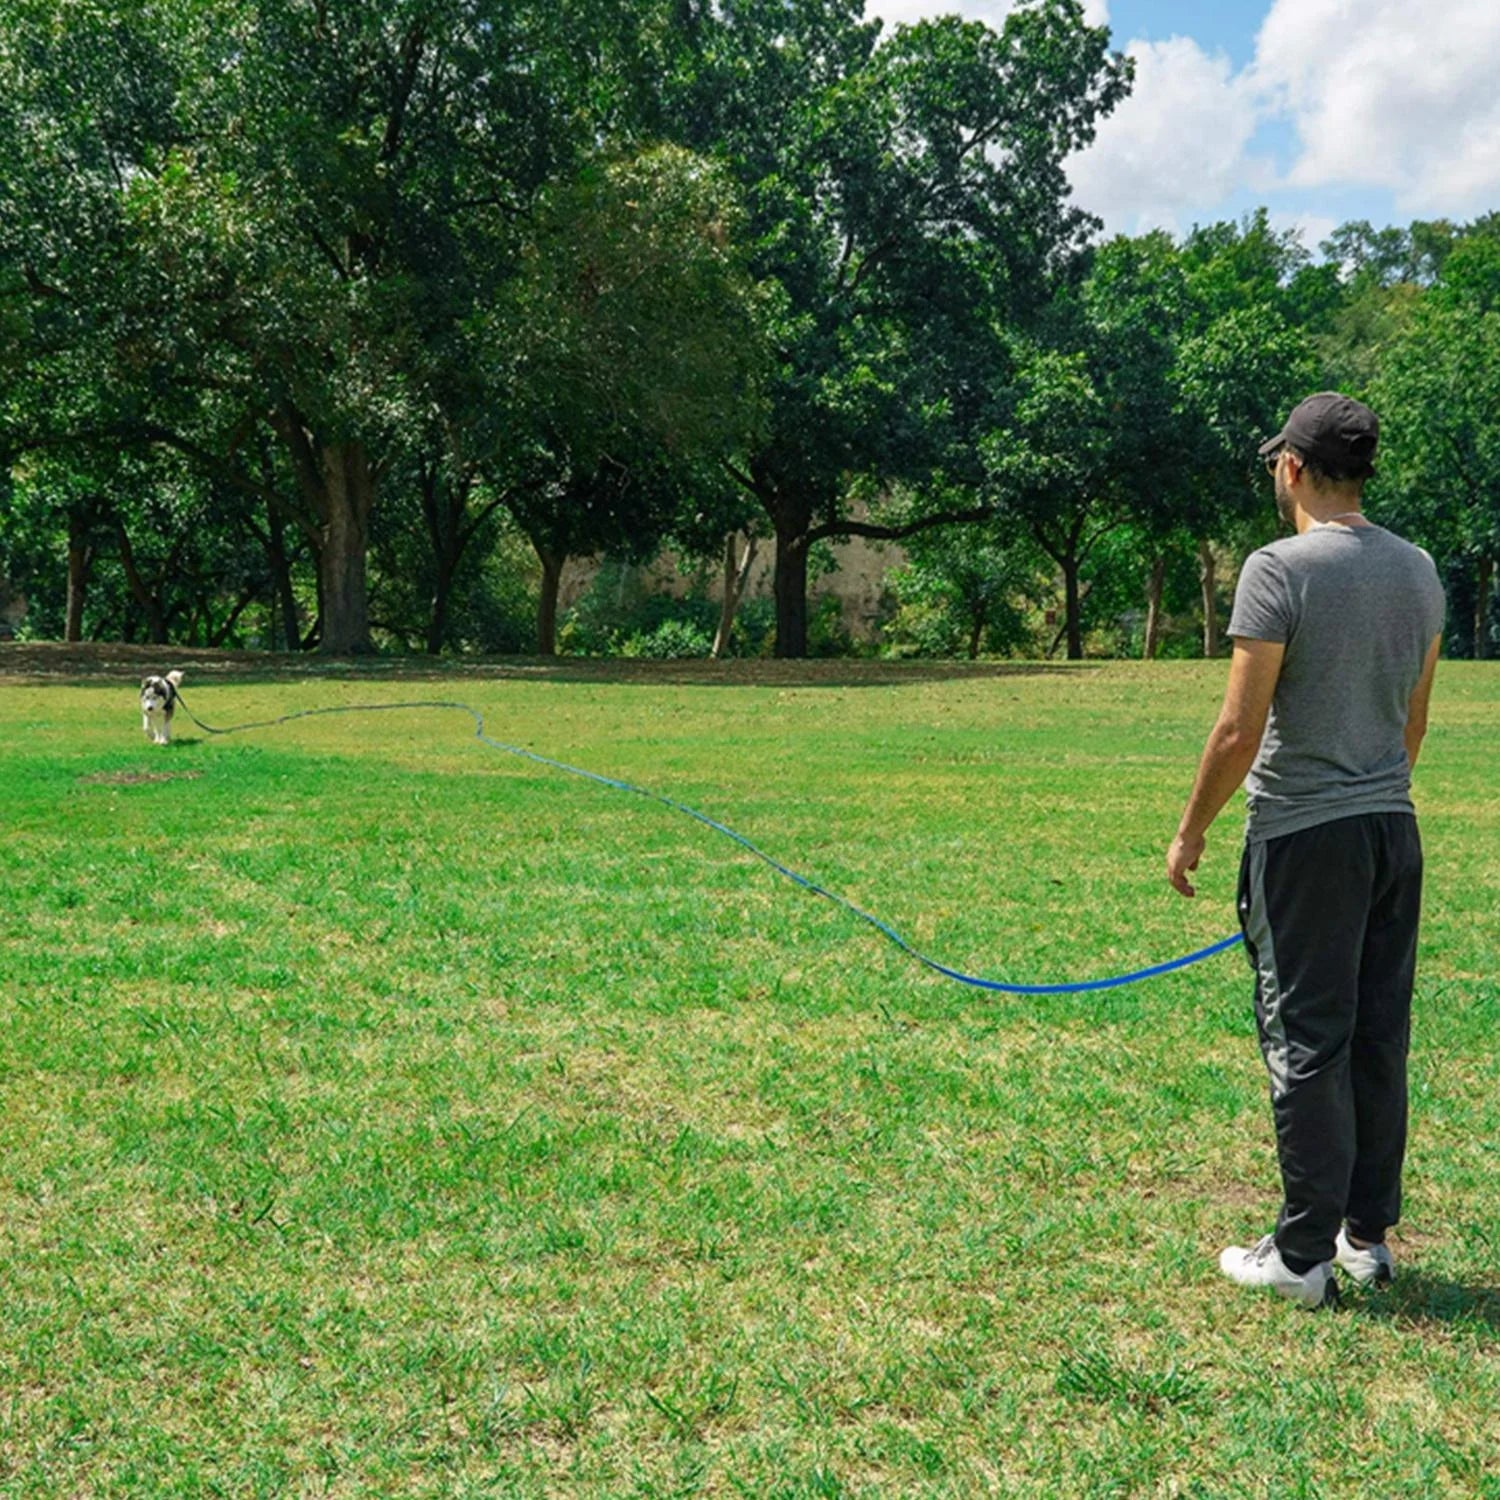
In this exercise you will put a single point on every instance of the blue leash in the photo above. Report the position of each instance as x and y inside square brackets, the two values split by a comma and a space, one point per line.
[974, 980]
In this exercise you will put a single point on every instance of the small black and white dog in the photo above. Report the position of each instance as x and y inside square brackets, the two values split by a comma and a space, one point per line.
[158, 700]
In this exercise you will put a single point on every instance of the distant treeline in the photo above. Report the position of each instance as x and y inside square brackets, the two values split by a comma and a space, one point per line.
[337, 326]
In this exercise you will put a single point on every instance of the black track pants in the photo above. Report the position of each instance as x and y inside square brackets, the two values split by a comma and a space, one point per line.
[1330, 921]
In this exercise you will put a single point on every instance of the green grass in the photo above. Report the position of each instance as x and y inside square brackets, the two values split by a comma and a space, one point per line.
[383, 1115]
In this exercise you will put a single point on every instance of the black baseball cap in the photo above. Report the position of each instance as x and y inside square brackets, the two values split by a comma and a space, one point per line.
[1335, 432]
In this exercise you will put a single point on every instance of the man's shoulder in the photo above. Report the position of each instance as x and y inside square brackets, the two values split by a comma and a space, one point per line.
[1312, 545]
[1279, 551]
[1415, 563]
[1417, 554]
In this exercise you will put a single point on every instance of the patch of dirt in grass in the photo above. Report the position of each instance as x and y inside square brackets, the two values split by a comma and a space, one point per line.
[1234, 1194]
[135, 778]
[44, 662]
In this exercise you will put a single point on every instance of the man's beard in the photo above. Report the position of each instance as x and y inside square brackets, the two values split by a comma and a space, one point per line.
[1285, 506]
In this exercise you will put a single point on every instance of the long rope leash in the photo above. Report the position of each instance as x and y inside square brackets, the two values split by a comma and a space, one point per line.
[974, 980]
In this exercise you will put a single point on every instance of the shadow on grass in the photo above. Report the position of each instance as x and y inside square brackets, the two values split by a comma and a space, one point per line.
[40, 664]
[1419, 1300]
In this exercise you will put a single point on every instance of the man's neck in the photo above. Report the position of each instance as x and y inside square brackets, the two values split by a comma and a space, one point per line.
[1341, 509]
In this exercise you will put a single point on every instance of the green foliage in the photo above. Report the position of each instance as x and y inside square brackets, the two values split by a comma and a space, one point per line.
[296, 300]
[619, 610]
[967, 591]
[33, 556]
[1438, 392]
[669, 641]
[164, 553]
[627, 350]
[1469, 627]
[1371, 318]
[1391, 256]
[619, 614]
[492, 609]
[754, 631]
[496, 613]
[889, 269]
[1114, 608]
[827, 634]
[312, 225]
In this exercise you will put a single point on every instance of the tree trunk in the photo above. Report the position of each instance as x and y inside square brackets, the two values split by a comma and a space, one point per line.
[1210, 602]
[443, 506]
[281, 580]
[791, 585]
[735, 575]
[1484, 589]
[546, 615]
[976, 635]
[1154, 581]
[1073, 608]
[219, 636]
[337, 482]
[349, 488]
[143, 594]
[80, 561]
[437, 619]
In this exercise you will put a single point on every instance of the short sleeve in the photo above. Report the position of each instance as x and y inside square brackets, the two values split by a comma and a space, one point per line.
[1437, 601]
[1262, 602]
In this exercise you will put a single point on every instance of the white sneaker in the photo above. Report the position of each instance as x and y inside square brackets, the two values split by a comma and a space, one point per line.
[1262, 1265]
[1374, 1263]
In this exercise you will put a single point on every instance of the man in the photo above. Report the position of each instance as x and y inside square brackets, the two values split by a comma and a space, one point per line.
[1336, 633]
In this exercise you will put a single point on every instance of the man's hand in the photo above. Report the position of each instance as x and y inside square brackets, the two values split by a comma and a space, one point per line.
[1182, 857]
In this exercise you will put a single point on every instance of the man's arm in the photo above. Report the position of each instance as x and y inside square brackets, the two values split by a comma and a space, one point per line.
[1416, 709]
[1230, 751]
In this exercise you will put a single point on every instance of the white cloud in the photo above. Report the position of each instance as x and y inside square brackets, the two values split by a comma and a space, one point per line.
[1178, 143]
[1397, 94]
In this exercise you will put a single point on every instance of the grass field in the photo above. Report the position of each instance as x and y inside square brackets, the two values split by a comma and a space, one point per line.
[383, 1115]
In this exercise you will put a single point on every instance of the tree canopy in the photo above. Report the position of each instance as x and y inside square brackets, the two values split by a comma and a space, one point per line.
[315, 315]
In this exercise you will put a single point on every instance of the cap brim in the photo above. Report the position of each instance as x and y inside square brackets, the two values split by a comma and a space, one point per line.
[1272, 445]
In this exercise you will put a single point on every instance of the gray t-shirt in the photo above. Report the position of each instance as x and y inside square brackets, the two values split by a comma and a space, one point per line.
[1357, 608]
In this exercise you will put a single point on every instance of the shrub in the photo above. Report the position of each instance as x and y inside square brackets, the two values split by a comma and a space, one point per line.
[670, 640]
[617, 615]
[827, 635]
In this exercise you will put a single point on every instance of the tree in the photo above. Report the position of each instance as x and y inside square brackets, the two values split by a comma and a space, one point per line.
[901, 197]
[1389, 256]
[968, 589]
[275, 213]
[1134, 312]
[1048, 468]
[1236, 380]
[148, 549]
[1438, 394]
[1156, 370]
[622, 369]
[1245, 360]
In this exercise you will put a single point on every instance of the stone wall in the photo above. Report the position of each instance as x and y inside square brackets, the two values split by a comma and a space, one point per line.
[858, 581]
[12, 608]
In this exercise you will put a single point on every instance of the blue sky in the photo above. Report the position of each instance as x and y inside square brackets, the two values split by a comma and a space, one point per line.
[1322, 110]
[1222, 25]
